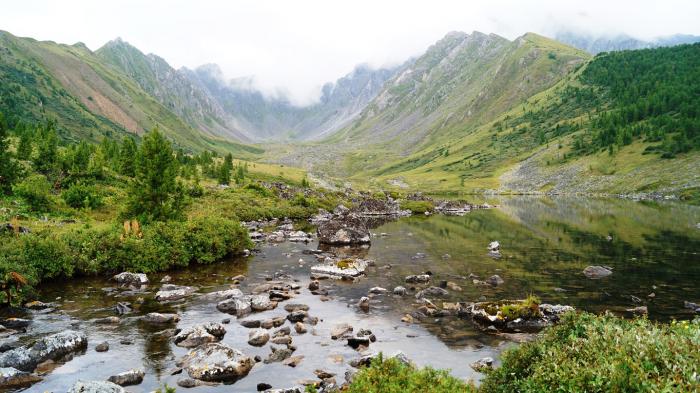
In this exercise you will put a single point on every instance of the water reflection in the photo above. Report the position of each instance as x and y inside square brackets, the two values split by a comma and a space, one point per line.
[545, 245]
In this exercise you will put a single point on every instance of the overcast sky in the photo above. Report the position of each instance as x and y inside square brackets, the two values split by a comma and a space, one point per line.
[295, 46]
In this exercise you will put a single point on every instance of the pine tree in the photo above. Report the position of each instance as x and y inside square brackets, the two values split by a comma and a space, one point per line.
[25, 147]
[127, 157]
[47, 152]
[155, 194]
[9, 170]
[224, 172]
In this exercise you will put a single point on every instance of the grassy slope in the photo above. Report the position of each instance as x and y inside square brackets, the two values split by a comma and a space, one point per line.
[459, 144]
[89, 98]
[512, 159]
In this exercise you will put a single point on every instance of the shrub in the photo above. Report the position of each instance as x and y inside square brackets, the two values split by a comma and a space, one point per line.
[418, 207]
[588, 353]
[36, 191]
[393, 376]
[82, 196]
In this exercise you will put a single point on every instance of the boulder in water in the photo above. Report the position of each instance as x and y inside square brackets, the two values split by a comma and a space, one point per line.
[216, 362]
[343, 230]
[96, 387]
[169, 293]
[200, 334]
[131, 377]
[235, 306]
[131, 279]
[596, 272]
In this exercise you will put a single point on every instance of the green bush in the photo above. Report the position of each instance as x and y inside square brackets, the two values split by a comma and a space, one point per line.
[82, 196]
[589, 353]
[161, 246]
[418, 207]
[392, 376]
[36, 191]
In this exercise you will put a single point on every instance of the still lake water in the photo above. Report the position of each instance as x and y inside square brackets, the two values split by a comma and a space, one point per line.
[545, 244]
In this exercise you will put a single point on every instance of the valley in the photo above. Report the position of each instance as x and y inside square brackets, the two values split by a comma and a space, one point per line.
[486, 216]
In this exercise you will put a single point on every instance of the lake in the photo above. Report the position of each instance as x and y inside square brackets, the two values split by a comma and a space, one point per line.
[653, 249]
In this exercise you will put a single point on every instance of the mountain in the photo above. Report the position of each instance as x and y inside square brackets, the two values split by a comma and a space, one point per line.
[596, 44]
[172, 88]
[623, 122]
[89, 98]
[266, 118]
[461, 82]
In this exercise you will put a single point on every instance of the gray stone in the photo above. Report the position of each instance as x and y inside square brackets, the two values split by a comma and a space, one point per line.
[278, 355]
[295, 307]
[258, 337]
[223, 295]
[431, 292]
[400, 291]
[156, 318]
[131, 377]
[50, 347]
[102, 347]
[495, 280]
[297, 316]
[200, 334]
[132, 279]
[11, 378]
[169, 293]
[340, 330]
[96, 387]
[235, 306]
[596, 272]
[418, 279]
[261, 303]
[482, 364]
[342, 230]
[216, 362]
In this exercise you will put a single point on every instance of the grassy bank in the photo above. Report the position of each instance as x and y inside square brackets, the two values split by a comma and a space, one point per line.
[584, 353]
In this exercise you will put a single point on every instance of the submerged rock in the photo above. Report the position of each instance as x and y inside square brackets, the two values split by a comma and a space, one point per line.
[52, 347]
[156, 318]
[344, 268]
[431, 292]
[223, 295]
[596, 272]
[12, 378]
[96, 387]
[418, 279]
[200, 334]
[131, 377]
[400, 291]
[216, 362]
[169, 293]
[278, 355]
[495, 280]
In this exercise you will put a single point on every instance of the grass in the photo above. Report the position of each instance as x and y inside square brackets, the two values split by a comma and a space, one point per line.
[392, 376]
[584, 353]
[589, 353]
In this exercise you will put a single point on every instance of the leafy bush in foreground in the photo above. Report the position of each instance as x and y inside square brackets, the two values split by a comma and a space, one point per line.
[589, 353]
[392, 376]
[161, 246]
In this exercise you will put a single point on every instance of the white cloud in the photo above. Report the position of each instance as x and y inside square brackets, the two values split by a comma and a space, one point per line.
[296, 46]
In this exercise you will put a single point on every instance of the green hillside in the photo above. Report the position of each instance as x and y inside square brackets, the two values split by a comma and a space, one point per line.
[86, 97]
[626, 122]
